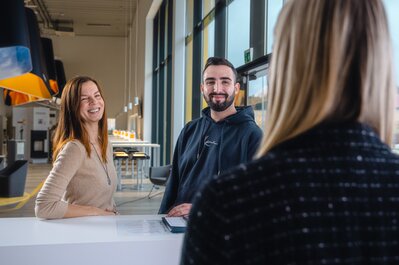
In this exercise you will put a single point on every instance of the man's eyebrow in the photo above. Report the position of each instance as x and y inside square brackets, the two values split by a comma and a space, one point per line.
[222, 78]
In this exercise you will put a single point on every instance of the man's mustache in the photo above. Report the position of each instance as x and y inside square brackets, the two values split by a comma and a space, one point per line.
[218, 94]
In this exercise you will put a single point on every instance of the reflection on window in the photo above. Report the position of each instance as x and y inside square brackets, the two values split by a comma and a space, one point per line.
[189, 61]
[189, 82]
[208, 46]
[392, 9]
[257, 96]
[208, 40]
[272, 10]
[238, 31]
[207, 6]
[189, 16]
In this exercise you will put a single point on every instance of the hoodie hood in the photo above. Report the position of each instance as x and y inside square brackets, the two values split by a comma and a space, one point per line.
[243, 114]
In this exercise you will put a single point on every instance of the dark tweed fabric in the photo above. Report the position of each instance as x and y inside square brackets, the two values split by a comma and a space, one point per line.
[328, 196]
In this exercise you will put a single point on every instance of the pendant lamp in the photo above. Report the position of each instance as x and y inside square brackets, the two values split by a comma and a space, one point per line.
[35, 83]
[12, 98]
[15, 58]
[61, 79]
[49, 58]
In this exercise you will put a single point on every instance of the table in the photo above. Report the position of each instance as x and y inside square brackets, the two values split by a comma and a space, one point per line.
[144, 145]
[122, 239]
[152, 150]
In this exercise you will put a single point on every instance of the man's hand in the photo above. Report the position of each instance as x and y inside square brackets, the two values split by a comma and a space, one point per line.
[180, 210]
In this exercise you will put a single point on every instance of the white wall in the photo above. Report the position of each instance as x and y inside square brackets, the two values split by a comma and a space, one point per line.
[102, 58]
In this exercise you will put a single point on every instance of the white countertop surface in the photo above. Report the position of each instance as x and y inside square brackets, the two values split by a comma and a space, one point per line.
[137, 239]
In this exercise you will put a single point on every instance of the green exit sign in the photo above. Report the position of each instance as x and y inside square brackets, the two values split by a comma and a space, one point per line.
[248, 55]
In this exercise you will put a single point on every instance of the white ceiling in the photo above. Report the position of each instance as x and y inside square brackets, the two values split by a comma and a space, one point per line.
[84, 17]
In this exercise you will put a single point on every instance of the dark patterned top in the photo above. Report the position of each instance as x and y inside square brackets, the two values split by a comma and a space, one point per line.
[328, 196]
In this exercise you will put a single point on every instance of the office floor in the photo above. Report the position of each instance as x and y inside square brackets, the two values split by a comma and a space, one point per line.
[128, 201]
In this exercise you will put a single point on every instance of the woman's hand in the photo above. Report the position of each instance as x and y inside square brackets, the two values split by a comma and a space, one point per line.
[99, 212]
[106, 212]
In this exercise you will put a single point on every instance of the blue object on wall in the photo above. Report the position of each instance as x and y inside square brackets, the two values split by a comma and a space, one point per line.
[15, 58]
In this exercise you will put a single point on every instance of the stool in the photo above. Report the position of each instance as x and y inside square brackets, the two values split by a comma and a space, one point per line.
[139, 157]
[118, 158]
[126, 160]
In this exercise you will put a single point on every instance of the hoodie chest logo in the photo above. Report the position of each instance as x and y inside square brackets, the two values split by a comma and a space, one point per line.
[208, 142]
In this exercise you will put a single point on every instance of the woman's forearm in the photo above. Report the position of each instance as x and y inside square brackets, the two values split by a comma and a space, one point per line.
[74, 210]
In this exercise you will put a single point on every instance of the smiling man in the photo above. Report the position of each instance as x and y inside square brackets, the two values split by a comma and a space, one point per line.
[222, 138]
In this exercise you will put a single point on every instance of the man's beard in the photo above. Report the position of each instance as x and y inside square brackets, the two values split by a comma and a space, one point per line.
[219, 106]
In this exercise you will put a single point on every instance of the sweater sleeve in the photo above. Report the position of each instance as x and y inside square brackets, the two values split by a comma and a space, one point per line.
[49, 203]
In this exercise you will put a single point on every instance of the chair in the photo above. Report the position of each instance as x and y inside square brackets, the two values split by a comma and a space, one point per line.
[158, 177]
[19, 201]
[12, 179]
[12, 186]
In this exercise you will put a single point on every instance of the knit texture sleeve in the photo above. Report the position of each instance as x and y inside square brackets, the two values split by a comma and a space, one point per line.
[49, 203]
[207, 238]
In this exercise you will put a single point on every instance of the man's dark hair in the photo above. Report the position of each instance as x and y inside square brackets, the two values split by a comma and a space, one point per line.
[219, 61]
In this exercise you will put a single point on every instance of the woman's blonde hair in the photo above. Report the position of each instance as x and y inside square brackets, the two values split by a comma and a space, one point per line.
[331, 62]
[70, 123]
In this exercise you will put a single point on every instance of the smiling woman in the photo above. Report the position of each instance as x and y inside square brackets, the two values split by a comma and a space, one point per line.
[83, 179]
[91, 104]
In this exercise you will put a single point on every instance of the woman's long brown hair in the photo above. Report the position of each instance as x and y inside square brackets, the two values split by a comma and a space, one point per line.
[70, 123]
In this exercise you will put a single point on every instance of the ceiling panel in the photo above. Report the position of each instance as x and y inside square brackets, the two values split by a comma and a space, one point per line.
[85, 17]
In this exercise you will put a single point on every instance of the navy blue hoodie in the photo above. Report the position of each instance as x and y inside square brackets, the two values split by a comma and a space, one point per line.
[206, 148]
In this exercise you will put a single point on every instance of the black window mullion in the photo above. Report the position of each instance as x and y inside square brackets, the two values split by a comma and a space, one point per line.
[197, 54]
[220, 28]
[257, 29]
[154, 133]
[161, 104]
[169, 141]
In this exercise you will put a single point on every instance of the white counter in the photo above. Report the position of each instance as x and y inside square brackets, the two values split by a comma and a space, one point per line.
[123, 239]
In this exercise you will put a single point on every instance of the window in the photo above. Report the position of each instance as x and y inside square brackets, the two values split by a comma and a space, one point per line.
[225, 28]
[162, 80]
[189, 60]
[238, 31]
[189, 82]
[272, 10]
[254, 80]
[208, 42]
[207, 6]
[257, 94]
[392, 9]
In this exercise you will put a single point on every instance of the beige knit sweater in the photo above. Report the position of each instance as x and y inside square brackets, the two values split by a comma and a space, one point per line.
[76, 179]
